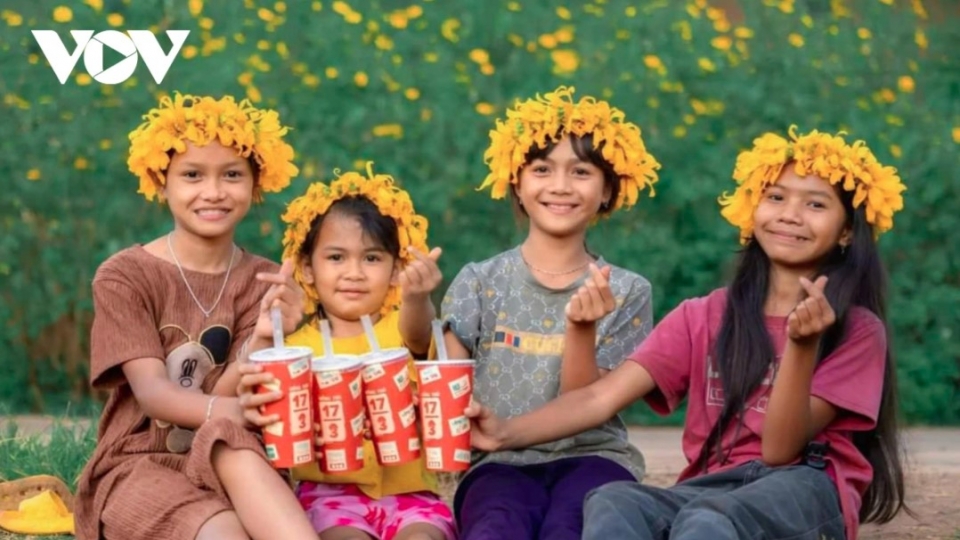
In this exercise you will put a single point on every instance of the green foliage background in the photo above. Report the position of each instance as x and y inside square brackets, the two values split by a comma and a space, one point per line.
[415, 86]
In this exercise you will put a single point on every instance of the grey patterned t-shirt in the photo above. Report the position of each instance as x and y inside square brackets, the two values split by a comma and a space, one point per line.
[514, 328]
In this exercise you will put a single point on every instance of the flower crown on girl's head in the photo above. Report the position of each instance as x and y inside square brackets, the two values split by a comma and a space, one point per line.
[852, 166]
[379, 189]
[534, 121]
[200, 120]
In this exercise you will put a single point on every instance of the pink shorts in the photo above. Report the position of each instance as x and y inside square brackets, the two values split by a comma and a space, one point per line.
[344, 505]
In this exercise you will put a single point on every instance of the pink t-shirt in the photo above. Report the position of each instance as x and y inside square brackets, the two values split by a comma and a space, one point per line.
[679, 356]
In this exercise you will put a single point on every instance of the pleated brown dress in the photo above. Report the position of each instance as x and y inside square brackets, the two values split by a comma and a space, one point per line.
[134, 487]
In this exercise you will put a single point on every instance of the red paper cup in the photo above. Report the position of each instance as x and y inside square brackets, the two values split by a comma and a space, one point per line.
[445, 390]
[288, 442]
[338, 390]
[389, 398]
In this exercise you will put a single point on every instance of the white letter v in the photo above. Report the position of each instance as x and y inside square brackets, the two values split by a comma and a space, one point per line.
[56, 52]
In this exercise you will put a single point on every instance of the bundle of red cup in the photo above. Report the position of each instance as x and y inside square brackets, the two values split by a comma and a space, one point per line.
[344, 390]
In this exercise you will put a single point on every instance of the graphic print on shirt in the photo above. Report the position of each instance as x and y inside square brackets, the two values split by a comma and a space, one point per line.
[527, 342]
[758, 401]
[190, 362]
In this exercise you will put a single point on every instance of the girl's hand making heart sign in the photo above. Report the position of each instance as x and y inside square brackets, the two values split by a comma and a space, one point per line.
[813, 315]
[593, 300]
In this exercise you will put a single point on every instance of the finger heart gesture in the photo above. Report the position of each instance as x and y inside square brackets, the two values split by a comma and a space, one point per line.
[422, 275]
[813, 315]
[594, 299]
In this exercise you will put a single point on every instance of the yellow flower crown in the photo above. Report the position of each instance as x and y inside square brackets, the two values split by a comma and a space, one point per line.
[854, 167]
[200, 120]
[555, 115]
[378, 189]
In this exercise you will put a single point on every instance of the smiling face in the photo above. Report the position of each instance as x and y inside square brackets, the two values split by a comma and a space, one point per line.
[800, 220]
[561, 192]
[350, 271]
[209, 189]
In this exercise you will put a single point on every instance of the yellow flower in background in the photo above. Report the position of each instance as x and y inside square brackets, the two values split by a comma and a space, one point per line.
[105, 144]
[13, 18]
[706, 65]
[786, 6]
[653, 62]
[887, 2]
[796, 40]
[563, 13]
[206, 23]
[383, 42]
[263, 45]
[282, 50]
[360, 79]
[398, 19]
[81, 163]
[96, 5]
[631, 11]
[547, 41]
[195, 7]
[316, 6]
[115, 19]
[311, 80]
[449, 30]
[253, 94]
[62, 14]
[680, 132]
[487, 69]
[921, 39]
[905, 84]
[190, 51]
[565, 61]
[956, 134]
[743, 32]
[414, 12]
[479, 56]
[895, 150]
[485, 108]
[331, 72]
[280, 7]
[918, 9]
[431, 57]
[722, 43]
[565, 34]
[33, 174]
[864, 33]
[412, 94]
[344, 10]
[388, 130]
[83, 79]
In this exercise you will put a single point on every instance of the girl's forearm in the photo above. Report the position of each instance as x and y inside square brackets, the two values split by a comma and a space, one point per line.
[578, 367]
[788, 424]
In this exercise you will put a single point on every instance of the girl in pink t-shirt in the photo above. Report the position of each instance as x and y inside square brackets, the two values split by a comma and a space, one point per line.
[791, 416]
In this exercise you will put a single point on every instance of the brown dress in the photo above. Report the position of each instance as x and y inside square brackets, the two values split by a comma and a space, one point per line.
[134, 488]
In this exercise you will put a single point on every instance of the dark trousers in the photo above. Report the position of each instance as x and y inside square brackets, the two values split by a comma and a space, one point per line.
[752, 502]
[531, 502]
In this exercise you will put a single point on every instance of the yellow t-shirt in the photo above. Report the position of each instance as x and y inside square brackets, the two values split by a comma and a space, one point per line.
[374, 480]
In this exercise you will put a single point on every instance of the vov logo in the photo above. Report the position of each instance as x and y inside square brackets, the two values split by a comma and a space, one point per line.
[133, 44]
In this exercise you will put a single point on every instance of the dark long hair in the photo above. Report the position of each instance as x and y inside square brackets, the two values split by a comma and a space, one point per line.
[744, 352]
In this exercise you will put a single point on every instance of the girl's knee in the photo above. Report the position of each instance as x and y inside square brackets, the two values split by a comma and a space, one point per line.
[613, 493]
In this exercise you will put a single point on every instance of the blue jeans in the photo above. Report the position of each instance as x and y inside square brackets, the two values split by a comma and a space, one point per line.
[751, 501]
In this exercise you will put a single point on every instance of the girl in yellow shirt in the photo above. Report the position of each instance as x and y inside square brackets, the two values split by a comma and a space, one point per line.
[359, 248]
